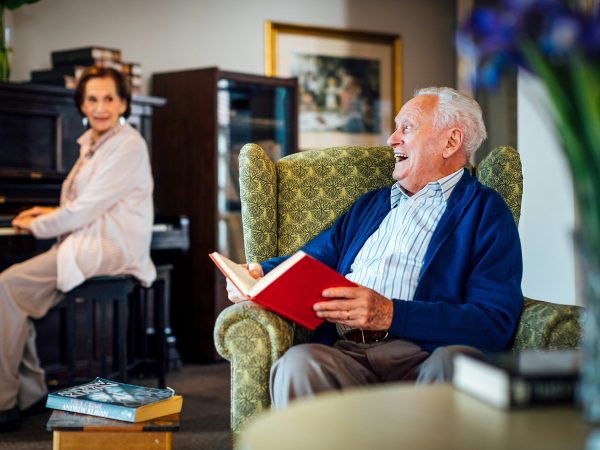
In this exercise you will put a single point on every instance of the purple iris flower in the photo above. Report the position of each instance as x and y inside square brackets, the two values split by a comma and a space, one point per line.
[494, 37]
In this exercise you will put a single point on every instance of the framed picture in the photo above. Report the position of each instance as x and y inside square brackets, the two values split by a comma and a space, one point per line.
[349, 82]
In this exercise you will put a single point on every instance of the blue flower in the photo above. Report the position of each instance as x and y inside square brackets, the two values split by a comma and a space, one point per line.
[560, 44]
[495, 38]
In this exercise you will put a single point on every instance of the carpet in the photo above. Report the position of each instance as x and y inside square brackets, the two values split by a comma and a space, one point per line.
[205, 422]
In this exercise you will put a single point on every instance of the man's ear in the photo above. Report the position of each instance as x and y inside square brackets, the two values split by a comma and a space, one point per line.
[454, 142]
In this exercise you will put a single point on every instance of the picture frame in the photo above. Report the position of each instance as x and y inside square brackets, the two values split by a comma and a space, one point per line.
[349, 82]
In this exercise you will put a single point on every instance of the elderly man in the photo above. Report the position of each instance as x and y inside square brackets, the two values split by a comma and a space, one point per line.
[437, 259]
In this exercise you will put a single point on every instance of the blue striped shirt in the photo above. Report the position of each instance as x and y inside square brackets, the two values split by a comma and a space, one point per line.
[390, 260]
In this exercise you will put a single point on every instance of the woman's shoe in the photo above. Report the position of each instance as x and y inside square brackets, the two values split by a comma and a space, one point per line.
[10, 420]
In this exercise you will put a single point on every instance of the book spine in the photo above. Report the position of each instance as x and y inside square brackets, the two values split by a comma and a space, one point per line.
[61, 57]
[525, 392]
[49, 77]
[92, 408]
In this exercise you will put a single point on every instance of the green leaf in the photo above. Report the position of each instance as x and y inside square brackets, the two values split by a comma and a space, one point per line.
[14, 4]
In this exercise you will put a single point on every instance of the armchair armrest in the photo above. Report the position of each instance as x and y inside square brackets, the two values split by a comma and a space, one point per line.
[252, 339]
[545, 325]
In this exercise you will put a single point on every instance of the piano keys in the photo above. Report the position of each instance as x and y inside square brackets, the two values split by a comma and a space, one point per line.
[17, 246]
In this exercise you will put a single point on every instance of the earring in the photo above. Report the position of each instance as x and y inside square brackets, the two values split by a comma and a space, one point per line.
[85, 122]
[122, 120]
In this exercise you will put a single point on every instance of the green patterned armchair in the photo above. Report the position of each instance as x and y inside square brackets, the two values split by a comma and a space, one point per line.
[287, 203]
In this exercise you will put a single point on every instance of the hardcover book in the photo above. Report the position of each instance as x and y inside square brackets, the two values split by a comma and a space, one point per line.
[114, 400]
[131, 68]
[84, 55]
[65, 76]
[69, 421]
[514, 380]
[290, 289]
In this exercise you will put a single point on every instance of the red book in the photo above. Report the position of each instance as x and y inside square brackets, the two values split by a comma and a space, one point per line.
[290, 289]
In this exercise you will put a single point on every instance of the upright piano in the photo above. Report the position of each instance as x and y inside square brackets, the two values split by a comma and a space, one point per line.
[39, 127]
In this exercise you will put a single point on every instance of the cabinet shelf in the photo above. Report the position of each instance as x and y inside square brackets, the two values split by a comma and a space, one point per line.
[255, 122]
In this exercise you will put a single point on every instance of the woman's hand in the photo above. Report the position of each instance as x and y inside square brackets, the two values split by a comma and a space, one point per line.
[234, 295]
[23, 220]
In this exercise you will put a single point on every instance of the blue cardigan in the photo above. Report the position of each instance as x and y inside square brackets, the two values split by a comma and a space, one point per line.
[469, 289]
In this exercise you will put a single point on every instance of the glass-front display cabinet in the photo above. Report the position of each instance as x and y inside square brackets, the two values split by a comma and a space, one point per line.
[255, 110]
[209, 116]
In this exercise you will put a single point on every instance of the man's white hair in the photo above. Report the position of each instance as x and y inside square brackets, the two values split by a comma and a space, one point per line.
[460, 110]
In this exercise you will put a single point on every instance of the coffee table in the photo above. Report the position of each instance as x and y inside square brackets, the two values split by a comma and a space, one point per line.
[404, 416]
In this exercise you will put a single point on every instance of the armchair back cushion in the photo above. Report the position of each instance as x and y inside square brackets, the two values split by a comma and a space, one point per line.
[502, 171]
[286, 204]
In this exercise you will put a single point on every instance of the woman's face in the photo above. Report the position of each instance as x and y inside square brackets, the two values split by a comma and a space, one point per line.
[101, 104]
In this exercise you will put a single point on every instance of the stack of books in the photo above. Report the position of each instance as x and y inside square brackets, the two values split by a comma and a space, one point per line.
[69, 64]
[517, 380]
[114, 400]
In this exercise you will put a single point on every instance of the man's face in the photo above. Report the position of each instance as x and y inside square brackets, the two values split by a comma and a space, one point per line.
[418, 147]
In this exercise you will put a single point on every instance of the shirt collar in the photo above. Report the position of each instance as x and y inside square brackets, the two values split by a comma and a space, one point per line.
[446, 185]
[89, 147]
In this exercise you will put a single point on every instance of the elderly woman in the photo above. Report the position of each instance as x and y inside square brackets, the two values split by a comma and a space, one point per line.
[103, 226]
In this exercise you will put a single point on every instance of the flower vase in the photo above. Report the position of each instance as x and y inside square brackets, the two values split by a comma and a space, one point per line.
[589, 393]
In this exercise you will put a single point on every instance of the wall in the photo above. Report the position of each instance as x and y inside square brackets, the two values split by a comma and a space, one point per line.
[547, 219]
[179, 34]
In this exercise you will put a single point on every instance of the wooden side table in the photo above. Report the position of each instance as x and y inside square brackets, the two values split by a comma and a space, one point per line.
[73, 431]
[412, 417]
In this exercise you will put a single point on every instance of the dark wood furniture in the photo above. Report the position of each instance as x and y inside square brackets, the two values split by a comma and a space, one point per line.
[102, 327]
[112, 327]
[209, 115]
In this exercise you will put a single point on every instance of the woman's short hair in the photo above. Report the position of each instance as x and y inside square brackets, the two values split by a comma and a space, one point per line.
[103, 72]
[455, 108]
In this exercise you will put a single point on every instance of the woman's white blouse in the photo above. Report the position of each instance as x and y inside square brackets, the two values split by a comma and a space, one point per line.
[104, 222]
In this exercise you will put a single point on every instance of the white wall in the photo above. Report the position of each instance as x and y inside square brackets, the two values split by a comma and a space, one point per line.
[180, 34]
[547, 218]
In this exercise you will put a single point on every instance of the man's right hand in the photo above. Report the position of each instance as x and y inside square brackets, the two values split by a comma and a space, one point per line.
[234, 295]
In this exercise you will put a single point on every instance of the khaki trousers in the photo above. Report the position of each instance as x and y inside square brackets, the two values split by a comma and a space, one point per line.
[27, 290]
[308, 369]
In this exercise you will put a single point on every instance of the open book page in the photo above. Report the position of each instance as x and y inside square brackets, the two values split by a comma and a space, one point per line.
[269, 278]
[239, 276]
[242, 279]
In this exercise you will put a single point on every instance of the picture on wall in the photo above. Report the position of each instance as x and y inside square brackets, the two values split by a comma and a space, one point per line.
[348, 82]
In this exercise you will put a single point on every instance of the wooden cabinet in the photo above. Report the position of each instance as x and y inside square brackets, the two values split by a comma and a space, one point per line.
[210, 114]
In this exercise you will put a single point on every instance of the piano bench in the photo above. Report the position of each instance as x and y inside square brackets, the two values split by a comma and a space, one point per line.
[155, 349]
[100, 298]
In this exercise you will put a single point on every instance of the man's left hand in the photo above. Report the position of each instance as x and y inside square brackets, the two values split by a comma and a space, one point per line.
[356, 307]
